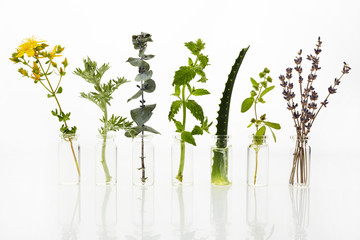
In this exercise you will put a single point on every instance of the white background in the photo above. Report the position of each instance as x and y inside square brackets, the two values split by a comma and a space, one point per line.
[102, 30]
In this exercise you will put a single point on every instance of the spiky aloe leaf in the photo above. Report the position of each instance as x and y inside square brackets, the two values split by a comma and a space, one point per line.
[219, 173]
[223, 113]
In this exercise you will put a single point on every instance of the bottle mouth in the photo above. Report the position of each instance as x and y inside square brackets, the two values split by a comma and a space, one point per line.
[222, 137]
[68, 136]
[261, 137]
[299, 137]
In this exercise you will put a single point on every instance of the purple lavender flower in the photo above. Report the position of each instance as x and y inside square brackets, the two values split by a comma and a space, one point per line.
[332, 90]
[325, 102]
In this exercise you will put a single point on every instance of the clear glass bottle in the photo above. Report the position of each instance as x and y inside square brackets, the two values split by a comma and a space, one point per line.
[105, 160]
[143, 161]
[258, 161]
[68, 159]
[182, 172]
[300, 161]
[221, 160]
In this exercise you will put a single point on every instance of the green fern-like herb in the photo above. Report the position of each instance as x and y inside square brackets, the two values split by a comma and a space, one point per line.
[183, 92]
[102, 97]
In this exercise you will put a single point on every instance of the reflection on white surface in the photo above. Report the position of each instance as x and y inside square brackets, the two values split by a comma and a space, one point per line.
[257, 213]
[220, 212]
[300, 199]
[68, 211]
[143, 213]
[182, 212]
[106, 211]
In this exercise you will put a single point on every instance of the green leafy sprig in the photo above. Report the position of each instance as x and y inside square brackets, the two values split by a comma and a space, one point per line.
[183, 92]
[146, 84]
[260, 89]
[102, 97]
[35, 56]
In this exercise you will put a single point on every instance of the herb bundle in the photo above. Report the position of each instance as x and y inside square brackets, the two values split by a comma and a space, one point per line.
[92, 74]
[147, 85]
[309, 110]
[256, 96]
[182, 79]
[41, 62]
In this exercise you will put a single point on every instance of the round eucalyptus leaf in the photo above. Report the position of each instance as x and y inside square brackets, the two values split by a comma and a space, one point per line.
[149, 86]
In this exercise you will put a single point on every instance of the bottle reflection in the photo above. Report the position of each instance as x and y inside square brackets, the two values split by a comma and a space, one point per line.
[257, 213]
[182, 212]
[143, 213]
[220, 211]
[300, 201]
[106, 211]
[68, 211]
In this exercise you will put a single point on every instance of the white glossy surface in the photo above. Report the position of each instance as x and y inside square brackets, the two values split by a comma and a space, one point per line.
[34, 207]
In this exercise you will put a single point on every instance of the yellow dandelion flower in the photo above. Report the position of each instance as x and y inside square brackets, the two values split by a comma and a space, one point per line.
[27, 47]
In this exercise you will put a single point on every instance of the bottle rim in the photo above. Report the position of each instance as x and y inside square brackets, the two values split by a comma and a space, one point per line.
[299, 137]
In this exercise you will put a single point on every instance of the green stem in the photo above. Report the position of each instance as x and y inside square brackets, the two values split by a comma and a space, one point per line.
[103, 149]
[57, 101]
[182, 161]
[182, 142]
[256, 163]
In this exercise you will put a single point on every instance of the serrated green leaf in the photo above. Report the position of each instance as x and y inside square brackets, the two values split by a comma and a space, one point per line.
[142, 115]
[150, 129]
[246, 104]
[261, 131]
[195, 109]
[178, 125]
[266, 91]
[149, 86]
[272, 125]
[184, 75]
[200, 92]
[204, 60]
[136, 95]
[190, 62]
[144, 76]
[197, 130]
[177, 91]
[174, 109]
[188, 137]
[195, 48]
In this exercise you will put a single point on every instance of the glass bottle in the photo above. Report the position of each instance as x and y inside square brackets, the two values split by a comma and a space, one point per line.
[105, 160]
[221, 160]
[300, 161]
[181, 162]
[68, 159]
[143, 161]
[258, 161]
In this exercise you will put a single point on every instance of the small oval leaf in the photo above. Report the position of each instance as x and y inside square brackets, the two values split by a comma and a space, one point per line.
[246, 104]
